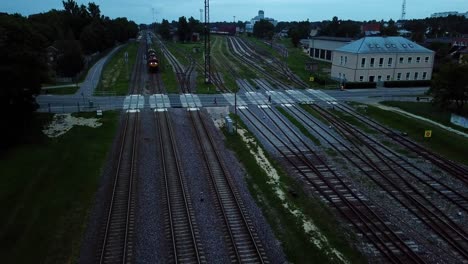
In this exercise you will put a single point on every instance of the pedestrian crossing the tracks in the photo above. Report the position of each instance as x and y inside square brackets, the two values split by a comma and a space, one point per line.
[231, 98]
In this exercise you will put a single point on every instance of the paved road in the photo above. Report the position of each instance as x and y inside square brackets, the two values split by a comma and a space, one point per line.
[92, 79]
[74, 103]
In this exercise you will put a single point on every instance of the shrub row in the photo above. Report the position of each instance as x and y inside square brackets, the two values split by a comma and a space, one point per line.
[357, 85]
[420, 83]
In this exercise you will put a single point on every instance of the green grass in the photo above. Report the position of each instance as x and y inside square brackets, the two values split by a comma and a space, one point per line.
[287, 228]
[353, 121]
[61, 90]
[429, 111]
[314, 113]
[446, 143]
[299, 125]
[47, 190]
[115, 75]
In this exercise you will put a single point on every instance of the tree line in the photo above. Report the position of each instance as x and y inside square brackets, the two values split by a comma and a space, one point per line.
[76, 31]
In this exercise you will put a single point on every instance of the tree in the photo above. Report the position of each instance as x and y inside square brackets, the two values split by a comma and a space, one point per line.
[22, 70]
[389, 30]
[70, 61]
[263, 29]
[183, 29]
[165, 30]
[450, 86]
[94, 11]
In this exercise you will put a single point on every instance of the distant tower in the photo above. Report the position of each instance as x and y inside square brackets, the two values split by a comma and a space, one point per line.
[403, 10]
[261, 14]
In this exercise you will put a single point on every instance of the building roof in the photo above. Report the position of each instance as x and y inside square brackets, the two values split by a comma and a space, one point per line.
[339, 39]
[383, 45]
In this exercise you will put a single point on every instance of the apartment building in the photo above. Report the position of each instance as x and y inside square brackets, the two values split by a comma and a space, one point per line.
[378, 59]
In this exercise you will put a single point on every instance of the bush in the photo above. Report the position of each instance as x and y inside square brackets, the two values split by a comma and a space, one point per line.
[391, 84]
[323, 80]
[358, 85]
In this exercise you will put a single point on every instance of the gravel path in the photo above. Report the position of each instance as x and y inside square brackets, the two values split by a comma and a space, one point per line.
[150, 242]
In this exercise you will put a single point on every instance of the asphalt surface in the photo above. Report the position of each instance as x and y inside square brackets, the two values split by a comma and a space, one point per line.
[87, 102]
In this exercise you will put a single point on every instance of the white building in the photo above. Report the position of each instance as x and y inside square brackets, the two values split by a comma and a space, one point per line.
[321, 48]
[451, 13]
[260, 16]
[377, 59]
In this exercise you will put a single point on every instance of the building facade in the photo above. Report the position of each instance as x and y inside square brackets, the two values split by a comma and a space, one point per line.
[321, 48]
[261, 15]
[451, 13]
[378, 59]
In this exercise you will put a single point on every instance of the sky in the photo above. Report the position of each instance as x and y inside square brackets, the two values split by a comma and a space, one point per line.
[141, 11]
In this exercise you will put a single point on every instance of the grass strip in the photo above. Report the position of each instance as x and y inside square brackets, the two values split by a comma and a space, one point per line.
[429, 111]
[116, 74]
[353, 121]
[446, 143]
[47, 189]
[284, 214]
[61, 90]
[315, 114]
[299, 125]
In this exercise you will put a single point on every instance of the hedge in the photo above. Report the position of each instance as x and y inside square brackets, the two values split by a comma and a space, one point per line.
[421, 83]
[358, 85]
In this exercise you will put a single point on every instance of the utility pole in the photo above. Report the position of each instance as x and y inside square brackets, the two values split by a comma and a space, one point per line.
[207, 43]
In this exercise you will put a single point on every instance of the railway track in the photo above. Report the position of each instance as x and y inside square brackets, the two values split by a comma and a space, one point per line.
[253, 55]
[326, 182]
[136, 86]
[183, 74]
[186, 244]
[396, 181]
[117, 244]
[454, 169]
[241, 236]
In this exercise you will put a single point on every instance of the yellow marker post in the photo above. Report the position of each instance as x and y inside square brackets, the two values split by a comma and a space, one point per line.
[428, 133]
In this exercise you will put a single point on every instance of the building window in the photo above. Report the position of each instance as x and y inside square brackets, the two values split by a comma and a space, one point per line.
[410, 59]
[401, 60]
[317, 53]
[407, 75]
[390, 61]
[424, 75]
[341, 60]
[388, 77]
[328, 55]
[398, 76]
[415, 75]
[361, 78]
[363, 62]
[418, 59]
[380, 62]
[426, 60]
[344, 76]
[339, 75]
[372, 62]
[345, 60]
[379, 78]
[322, 54]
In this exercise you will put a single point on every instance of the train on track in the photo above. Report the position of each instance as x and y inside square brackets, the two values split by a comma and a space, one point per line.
[152, 59]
